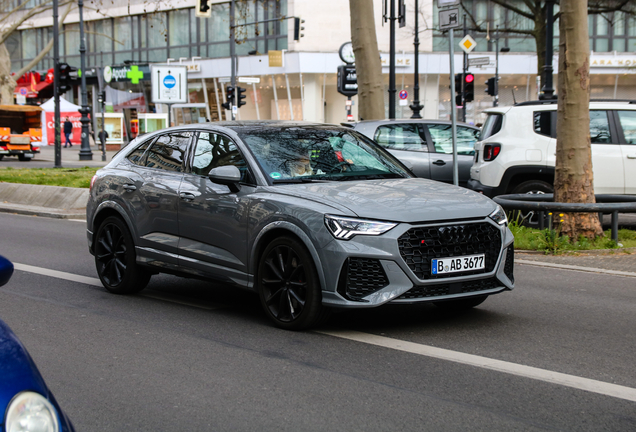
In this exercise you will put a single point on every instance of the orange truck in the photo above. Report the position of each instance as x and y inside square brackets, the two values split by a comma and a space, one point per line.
[20, 131]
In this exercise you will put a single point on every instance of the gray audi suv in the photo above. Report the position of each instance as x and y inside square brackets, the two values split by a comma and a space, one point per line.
[309, 216]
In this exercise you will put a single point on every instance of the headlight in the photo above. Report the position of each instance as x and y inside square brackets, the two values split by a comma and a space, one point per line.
[499, 216]
[31, 411]
[345, 228]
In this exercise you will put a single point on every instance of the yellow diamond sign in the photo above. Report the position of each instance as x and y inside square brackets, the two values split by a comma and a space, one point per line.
[467, 44]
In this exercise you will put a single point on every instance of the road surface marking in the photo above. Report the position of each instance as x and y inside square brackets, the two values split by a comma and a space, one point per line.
[558, 378]
[96, 282]
[578, 268]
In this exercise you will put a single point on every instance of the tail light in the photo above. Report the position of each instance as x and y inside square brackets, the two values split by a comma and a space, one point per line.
[93, 181]
[36, 148]
[491, 151]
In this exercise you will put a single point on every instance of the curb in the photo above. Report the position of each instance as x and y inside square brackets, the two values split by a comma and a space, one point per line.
[577, 268]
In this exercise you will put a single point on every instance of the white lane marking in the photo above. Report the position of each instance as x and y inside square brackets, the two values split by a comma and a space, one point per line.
[558, 378]
[573, 267]
[96, 282]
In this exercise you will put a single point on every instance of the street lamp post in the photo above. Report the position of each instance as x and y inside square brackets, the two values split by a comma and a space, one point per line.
[85, 152]
[56, 84]
[392, 60]
[416, 107]
[547, 92]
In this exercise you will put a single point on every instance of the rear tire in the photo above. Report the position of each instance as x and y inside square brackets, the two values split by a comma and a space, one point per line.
[530, 219]
[23, 158]
[460, 304]
[115, 259]
[1, 157]
[288, 285]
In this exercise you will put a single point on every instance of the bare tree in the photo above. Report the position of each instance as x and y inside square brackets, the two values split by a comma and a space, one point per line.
[530, 17]
[368, 64]
[574, 178]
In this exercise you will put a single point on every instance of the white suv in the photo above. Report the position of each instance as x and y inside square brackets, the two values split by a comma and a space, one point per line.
[516, 152]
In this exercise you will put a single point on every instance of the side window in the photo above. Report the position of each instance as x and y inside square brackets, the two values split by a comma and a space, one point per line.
[599, 128]
[628, 122]
[543, 123]
[168, 151]
[400, 137]
[491, 126]
[215, 150]
[442, 136]
[137, 155]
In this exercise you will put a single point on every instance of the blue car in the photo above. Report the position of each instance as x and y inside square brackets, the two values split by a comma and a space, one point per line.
[26, 403]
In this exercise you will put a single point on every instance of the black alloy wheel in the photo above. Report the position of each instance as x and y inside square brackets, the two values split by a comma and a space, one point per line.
[115, 259]
[288, 285]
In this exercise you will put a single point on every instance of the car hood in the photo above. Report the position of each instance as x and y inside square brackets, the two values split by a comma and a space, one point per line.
[399, 200]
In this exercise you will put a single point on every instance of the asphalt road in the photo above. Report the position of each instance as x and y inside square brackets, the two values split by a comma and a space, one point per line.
[185, 355]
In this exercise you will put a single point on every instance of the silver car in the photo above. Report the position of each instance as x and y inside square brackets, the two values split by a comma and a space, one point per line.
[310, 216]
[425, 146]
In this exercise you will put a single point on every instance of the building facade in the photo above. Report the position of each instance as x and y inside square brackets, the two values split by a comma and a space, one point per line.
[130, 35]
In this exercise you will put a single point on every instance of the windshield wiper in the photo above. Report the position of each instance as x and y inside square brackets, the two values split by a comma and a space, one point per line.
[298, 180]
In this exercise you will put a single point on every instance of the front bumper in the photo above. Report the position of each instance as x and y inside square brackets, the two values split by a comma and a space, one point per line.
[369, 271]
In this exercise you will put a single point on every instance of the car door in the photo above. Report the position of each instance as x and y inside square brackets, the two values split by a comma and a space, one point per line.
[607, 159]
[160, 171]
[213, 219]
[626, 121]
[440, 146]
[406, 141]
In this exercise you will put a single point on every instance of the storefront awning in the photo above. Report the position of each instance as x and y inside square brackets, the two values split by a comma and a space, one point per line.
[30, 90]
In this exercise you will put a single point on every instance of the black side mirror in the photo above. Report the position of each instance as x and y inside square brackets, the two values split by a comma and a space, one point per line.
[227, 175]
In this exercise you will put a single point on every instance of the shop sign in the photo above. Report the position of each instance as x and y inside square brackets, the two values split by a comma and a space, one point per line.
[132, 73]
[194, 67]
[275, 58]
[401, 61]
[618, 61]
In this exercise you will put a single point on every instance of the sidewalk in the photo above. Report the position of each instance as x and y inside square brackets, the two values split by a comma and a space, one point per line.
[70, 156]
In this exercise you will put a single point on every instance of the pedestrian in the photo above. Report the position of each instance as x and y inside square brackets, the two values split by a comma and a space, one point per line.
[103, 136]
[68, 130]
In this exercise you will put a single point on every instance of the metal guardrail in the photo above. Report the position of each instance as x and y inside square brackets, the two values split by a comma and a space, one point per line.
[542, 203]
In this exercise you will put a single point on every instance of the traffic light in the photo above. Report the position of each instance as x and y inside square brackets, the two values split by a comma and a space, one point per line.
[229, 97]
[298, 28]
[469, 87]
[64, 77]
[101, 97]
[240, 96]
[458, 89]
[491, 86]
[203, 9]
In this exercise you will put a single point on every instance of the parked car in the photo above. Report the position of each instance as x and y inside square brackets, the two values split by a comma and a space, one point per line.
[425, 146]
[26, 403]
[309, 216]
[516, 152]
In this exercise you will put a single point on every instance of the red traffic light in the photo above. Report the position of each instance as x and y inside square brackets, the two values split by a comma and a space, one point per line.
[469, 78]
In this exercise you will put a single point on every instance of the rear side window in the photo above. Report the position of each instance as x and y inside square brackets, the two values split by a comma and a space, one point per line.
[442, 136]
[599, 128]
[168, 152]
[400, 137]
[491, 126]
[545, 123]
[137, 155]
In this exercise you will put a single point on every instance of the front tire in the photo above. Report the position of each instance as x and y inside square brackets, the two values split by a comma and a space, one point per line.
[288, 285]
[115, 259]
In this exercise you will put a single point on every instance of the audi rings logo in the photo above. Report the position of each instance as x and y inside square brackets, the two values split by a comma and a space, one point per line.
[453, 234]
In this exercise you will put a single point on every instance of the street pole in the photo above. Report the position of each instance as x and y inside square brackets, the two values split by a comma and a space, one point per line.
[85, 152]
[496, 101]
[233, 55]
[56, 84]
[392, 61]
[102, 92]
[548, 70]
[453, 109]
[416, 107]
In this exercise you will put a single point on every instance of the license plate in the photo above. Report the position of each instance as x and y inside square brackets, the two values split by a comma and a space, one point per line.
[458, 264]
[28, 155]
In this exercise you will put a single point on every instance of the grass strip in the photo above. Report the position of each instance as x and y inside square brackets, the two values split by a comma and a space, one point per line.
[67, 177]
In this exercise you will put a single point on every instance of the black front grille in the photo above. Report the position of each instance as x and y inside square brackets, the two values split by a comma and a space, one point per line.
[510, 263]
[450, 288]
[418, 246]
[361, 277]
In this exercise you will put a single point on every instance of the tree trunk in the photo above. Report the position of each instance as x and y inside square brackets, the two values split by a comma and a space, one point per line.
[539, 38]
[368, 64]
[7, 83]
[574, 179]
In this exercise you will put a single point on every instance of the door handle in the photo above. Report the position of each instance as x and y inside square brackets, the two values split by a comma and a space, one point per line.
[186, 196]
[130, 187]
[439, 162]
[632, 156]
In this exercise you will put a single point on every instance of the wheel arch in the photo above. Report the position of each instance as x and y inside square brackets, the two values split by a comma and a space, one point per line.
[105, 210]
[278, 229]
[514, 176]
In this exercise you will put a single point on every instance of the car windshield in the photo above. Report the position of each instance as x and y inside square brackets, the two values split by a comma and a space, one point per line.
[294, 155]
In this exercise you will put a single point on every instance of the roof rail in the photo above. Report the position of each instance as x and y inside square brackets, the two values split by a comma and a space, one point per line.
[631, 101]
[537, 102]
[349, 125]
